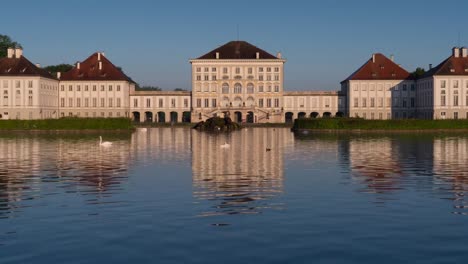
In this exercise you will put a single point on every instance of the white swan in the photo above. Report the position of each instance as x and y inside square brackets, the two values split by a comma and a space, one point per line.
[105, 143]
[225, 145]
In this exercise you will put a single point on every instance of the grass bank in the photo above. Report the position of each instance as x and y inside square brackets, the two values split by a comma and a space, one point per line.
[68, 123]
[384, 125]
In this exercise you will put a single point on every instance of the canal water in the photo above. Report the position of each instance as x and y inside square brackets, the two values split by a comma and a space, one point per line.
[173, 195]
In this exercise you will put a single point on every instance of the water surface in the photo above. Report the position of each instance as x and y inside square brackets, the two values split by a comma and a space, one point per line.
[172, 195]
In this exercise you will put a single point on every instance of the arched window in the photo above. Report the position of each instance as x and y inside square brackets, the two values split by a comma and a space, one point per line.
[237, 88]
[250, 88]
[225, 88]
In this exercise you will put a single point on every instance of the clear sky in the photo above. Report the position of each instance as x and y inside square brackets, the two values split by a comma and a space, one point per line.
[323, 41]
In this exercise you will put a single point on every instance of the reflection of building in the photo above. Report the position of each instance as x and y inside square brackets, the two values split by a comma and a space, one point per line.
[243, 178]
[375, 163]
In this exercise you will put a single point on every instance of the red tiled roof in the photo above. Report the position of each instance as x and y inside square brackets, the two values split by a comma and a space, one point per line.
[381, 69]
[89, 71]
[21, 67]
[451, 66]
[237, 50]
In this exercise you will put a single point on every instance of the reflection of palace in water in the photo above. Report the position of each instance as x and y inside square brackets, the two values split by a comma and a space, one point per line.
[243, 178]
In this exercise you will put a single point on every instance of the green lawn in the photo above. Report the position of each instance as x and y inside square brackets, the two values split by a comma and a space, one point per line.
[68, 123]
[395, 124]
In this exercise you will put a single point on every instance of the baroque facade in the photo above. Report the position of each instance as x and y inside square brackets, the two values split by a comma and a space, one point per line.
[238, 80]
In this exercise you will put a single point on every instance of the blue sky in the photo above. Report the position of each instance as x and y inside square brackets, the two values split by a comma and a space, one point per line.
[323, 41]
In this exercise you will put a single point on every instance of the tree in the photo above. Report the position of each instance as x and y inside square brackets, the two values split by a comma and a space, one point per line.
[179, 89]
[147, 88]
[53, 69]
[5, 43]
[418, 72]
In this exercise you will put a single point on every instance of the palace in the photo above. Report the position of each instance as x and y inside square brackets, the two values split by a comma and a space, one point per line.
[238, 80]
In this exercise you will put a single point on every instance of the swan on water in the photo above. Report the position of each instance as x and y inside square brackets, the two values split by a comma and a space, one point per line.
[105, 143]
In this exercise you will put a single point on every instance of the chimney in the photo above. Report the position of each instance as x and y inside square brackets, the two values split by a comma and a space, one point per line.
[100, 65]
[18, 52]
[78, 65]
[217, 55]
[257, 55]
[38, 65]
[373, 58]
[59, 74]
[278, 55]
[455, 52]
[10, 52]
[430, 66]
[392, 58]
[99, 56]
[464, 52]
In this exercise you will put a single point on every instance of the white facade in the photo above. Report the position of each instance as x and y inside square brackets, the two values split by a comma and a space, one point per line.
[160, 106]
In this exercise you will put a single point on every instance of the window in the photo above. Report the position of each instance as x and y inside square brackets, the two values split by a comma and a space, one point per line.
[412, 87]
[110, 88]
[198, 102]
[17, 84]
[173, 102]
[185, 102]
[94, 88]
[70, 88]
[30, 84]
[102, 102]
[161, 102]
[225, 70]
[276, 102]
[111, 102]
[118, 88]
[355, 87]
[118, 102]
[207, 69]
[260, 102]
[237, 88]
[372, 102]
[86, 88]
[102, 88]
[213, 78]
[70, 102]
[62, 102]
[213, 102]
[207, 78]
[225, 88]
[95, 102]
[455, 98]
[198, 77]
[442, 84]
[276, 77]
[412, 102]
[268, 77]
[268, 69]
[78, 102]
[442, 98]
[135, 102]
[455, 115]
[213, 69]
[327, 102]
[269, 88]
[260, 78]
[237, 70]
[276, 69]
[380, 102]
[78, 88]
[356, 102]
[364, 102]
[268, 102]
[250, 88]
[404, 103]
[404, 87]
[260, 69]
[249, 70]
[260, 88]
[455, 84]
[86, 102]
[198, 69]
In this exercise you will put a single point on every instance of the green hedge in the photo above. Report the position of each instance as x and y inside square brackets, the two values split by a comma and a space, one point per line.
[68, 123]
[394, 124]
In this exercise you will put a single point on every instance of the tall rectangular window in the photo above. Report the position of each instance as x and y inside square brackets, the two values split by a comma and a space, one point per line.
[185, 102]
[94, 102]
[148, 102]
[30, 84]
[276, 102]
[198, 102]
[161, 102]
[78, 102]
[103, 102]
[111, 102]
[135, 102]
[118, 102]
[173, 102]
[213, 102]
[260, 102]
[268, 102]
[207, 103]
[356, 102]
[86, 102]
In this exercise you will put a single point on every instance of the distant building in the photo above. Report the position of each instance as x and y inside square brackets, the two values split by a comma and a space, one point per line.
[95, 88]
[380, 89]
[239, 80]
[27, 91]
[443, 90]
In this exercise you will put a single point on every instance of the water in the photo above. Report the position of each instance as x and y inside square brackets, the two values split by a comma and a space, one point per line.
[172, 195]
